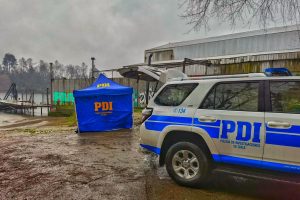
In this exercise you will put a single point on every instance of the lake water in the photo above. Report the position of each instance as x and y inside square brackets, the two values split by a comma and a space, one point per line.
[38, 99]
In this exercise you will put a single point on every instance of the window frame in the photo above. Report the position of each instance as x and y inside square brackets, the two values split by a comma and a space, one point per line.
[261, 99]
[268, 100]
[176, 84]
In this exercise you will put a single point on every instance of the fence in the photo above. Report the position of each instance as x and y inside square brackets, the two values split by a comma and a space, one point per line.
[63, 89]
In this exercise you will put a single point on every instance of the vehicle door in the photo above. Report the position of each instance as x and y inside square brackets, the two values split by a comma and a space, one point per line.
[283, 123]
[232, 114]
[171, 108]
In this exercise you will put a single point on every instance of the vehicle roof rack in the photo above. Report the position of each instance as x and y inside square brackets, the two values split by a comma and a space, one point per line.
[226, 76]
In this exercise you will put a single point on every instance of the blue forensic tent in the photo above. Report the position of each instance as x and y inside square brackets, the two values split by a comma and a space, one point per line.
[104, 106]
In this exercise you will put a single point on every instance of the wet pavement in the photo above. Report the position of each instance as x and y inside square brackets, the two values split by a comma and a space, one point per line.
[58, 164]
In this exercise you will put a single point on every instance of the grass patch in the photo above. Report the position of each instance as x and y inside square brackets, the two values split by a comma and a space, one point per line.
[62, 111]
[138, 110]
[71, 120]
[68, 112]
[33, 131]
[137, 116]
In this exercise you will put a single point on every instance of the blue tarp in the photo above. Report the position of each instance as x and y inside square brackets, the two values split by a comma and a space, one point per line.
[104, 106]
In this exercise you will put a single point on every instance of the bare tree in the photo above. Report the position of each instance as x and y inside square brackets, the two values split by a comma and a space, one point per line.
[59, 69]
[200, 13]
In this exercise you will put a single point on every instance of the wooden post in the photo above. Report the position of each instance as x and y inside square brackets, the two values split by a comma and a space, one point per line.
[22, 107]
[32, 103]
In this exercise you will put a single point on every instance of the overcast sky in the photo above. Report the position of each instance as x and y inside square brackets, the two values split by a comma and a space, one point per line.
[116, 32]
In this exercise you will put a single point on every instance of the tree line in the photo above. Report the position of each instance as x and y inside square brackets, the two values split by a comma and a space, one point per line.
[30, 75]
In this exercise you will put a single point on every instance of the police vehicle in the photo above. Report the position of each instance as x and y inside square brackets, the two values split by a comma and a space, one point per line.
[196, 125]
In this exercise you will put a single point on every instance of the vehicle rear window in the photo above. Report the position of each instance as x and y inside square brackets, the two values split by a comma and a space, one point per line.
[174, 94]
[239, 96]
[285, 96]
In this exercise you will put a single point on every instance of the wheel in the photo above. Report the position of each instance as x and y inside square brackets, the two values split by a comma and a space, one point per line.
[187, 164]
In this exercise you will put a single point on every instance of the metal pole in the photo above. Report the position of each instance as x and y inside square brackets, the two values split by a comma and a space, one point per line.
[64, 89]
[48, 99]
[51, 81]
[183, 66]
[138, 93]
[147, 92]
[93, 68]
[156, 85]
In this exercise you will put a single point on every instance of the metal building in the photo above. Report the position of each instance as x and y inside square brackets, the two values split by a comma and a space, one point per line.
[235, 53]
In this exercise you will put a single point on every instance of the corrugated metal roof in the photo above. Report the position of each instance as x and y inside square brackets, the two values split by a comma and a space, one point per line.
[228, 37]
[237, 58]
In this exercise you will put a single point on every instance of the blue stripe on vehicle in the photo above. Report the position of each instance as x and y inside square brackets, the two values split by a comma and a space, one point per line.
[151, 148]
[157, 126]
[216, 123]
[183, 120]
[283, 139]
[236, 160]
[212, 131]
[257, 163]
[293, 129]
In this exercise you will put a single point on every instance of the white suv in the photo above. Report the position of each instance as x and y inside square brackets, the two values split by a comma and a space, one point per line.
[242, 120]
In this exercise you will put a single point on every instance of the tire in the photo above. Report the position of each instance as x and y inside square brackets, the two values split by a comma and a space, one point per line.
[187, 164]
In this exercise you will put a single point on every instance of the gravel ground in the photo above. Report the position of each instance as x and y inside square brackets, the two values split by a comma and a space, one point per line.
[55, 163]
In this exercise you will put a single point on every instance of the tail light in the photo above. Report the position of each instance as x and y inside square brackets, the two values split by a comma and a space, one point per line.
[146, 113]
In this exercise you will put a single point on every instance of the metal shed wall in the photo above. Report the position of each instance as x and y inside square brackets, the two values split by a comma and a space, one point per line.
[252, 42]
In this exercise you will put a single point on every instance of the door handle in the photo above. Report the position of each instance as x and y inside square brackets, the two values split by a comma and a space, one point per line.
[207, 119]
[273, 124]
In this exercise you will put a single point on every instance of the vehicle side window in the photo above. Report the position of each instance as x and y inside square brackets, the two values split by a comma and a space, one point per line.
[209, 102]
[175, 94]
[239, 96]
[285, 96]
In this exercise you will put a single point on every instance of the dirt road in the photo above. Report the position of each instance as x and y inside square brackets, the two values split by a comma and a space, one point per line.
[55, 163]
